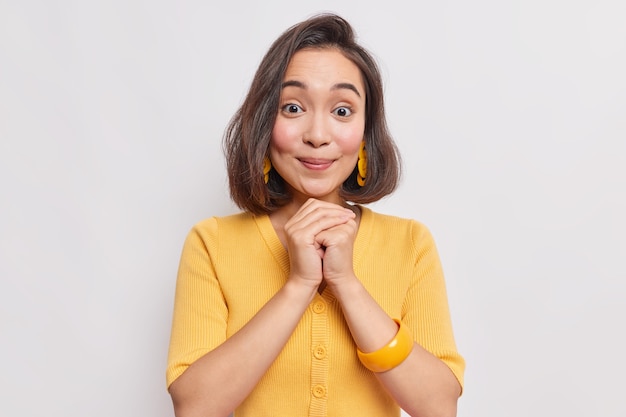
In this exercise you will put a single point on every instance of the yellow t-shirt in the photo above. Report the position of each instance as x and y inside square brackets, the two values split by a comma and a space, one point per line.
[231, 266]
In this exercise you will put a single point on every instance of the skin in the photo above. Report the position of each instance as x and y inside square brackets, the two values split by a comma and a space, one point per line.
[314, 147]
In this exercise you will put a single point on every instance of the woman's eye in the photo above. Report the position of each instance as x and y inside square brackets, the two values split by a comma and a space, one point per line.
[342, 111]
[292, 108]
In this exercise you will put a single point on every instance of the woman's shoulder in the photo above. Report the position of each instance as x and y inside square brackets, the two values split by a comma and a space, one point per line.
[383, 219]
[235, 218]
[226, 223]
[382, 223]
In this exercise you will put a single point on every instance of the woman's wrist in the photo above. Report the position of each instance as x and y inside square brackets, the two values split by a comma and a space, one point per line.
[300, 288]
[390, 355]
[346, 286]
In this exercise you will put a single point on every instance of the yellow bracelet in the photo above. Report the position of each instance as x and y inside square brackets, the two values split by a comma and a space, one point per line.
[391, 355]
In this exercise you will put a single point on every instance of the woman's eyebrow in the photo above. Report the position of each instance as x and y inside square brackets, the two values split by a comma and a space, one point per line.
[294, 83]
[338, 86]
[347, 86]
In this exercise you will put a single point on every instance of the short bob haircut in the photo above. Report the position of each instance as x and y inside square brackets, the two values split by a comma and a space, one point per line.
[248, 135]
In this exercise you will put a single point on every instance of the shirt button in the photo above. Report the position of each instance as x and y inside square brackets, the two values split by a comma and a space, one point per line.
[319, 352]
[319, 307]
[319, 391]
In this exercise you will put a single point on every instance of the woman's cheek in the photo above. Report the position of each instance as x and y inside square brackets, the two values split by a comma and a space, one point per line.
[284, 134]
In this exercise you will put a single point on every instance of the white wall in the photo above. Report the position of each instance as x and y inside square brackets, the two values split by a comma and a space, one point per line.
[511, 119]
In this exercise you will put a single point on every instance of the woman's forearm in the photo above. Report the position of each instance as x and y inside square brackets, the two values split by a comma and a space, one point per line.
[219, 381]
[422, 384]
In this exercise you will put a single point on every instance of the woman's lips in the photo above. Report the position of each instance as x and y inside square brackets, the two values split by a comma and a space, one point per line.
[316, 164]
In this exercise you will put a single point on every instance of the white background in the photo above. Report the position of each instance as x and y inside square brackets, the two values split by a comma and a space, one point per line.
[510, 116]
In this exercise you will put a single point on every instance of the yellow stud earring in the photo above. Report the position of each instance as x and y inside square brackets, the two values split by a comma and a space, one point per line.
[267, 166]
[361, 165]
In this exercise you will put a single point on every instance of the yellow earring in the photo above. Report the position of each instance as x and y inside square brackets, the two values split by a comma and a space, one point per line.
[361, 165]
[267, 166]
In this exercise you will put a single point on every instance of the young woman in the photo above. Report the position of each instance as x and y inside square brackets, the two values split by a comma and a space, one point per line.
[308, 303]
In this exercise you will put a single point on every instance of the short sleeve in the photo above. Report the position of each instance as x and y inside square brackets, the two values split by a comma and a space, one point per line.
[426, 310]
[200, 312]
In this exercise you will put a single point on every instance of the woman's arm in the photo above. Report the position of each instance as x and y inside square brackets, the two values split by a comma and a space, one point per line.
[219, 381]
[422, 384]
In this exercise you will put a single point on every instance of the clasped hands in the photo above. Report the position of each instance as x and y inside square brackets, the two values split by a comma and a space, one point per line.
[320, 241]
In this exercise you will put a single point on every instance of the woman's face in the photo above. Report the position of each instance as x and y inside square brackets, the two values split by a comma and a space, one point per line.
[320, 124]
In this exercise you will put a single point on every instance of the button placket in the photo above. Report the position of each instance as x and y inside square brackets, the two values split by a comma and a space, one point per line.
[319, 357]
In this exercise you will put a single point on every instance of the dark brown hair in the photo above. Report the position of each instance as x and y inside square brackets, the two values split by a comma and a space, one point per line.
[248, 135]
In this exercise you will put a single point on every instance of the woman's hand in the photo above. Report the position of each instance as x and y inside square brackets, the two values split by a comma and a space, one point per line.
[338, 242]
[320, 238]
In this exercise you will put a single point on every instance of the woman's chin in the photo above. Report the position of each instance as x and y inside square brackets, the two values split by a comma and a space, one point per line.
[320, 193]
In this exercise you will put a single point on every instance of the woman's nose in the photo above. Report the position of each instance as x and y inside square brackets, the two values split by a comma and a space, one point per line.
[317, 133]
